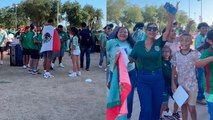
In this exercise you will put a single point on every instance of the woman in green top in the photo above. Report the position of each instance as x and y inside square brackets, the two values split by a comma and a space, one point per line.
[150, 84]
[123, 40]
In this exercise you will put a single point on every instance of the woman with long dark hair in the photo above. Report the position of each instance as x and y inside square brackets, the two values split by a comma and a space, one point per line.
[123, 40]
[75, 53]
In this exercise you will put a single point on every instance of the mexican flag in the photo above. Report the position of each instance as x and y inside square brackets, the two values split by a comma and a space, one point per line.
[50, 39]
[120, 88]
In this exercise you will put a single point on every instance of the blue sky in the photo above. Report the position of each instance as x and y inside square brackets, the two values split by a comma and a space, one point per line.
[100, 4]
[195, 7]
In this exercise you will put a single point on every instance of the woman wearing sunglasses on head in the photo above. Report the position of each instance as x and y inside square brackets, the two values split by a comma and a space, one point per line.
[150, 84]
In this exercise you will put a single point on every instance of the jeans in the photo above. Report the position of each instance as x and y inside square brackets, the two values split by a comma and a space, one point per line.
[150, 88]
[84, 50]
[102, 55]
[210, 109]
[133, 80]
[200, 73]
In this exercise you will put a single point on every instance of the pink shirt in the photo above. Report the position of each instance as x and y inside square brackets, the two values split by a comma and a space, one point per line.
[174, 46]
[185, 66]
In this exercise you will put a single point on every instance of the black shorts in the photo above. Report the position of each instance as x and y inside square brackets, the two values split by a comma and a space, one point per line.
[34, 54]
[48, 55]
[2, 49]
[26, 51]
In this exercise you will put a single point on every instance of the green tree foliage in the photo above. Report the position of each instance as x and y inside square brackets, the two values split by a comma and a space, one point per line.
[131, 15]
[115, 10]
[8, 17]
[39, 11]
[182, 18]
[77, 15]
[150, 13]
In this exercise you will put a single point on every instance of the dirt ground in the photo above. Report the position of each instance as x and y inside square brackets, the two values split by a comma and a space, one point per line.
[24, 96]
[31, 97]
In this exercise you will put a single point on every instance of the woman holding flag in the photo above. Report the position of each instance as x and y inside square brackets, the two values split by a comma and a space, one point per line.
[150, 84]
[122, 40]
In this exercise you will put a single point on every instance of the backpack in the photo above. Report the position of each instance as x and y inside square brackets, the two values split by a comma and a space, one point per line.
[86, 38]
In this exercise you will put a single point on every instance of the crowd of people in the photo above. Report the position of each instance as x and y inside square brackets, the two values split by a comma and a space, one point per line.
[159, 63]
[31, 39]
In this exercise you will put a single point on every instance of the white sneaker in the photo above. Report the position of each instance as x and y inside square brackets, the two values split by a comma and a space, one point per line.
[52, 65]
[1, 62]
[61, 65]
[24, 67]
[79, 73]
[28, 65]
[100, 66]
[105, 69]
[73, 74]
[167, 113]
[47, 75]
[70, 72]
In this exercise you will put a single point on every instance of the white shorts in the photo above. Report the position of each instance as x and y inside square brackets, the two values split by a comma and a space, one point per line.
[76, 52]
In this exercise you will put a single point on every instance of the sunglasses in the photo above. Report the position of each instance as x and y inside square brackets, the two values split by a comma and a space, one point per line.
[109, 28]
[151, 28]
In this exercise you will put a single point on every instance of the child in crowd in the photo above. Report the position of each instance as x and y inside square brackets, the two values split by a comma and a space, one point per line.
[206, 60]
[75, 52]
[167, 73]
[183, 67]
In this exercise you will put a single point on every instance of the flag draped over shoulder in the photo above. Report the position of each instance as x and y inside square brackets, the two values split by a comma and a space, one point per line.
[50, 39]
[120, 88]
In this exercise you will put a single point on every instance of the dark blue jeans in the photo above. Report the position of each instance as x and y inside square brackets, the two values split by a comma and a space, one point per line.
[133, 80]
[210, 109]
[150, 88]
[84, 50]
[200, 74]
[102, 55]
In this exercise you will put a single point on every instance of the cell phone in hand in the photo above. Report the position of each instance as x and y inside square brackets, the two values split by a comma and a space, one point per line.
[170, 8]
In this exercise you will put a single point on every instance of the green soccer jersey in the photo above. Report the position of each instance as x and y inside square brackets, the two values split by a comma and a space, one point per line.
[112, 47]
[151, 60]
[75, 43]
[208, 82]
[31, 36]
[63, 37]
[24, 42]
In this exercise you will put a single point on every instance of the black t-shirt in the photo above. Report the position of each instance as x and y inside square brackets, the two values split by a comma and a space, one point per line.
[86, 38]
[167, 72]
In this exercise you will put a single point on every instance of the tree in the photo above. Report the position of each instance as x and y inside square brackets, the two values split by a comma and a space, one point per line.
[8, 17]
[131, 15]
[99, 15]
[162, 17]
[95, 16]
[150, 14]
[38, 10]
[74, 13]
[181, 18]
[115, 9]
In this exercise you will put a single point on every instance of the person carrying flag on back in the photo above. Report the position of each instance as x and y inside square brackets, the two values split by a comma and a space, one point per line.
[50, 43]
